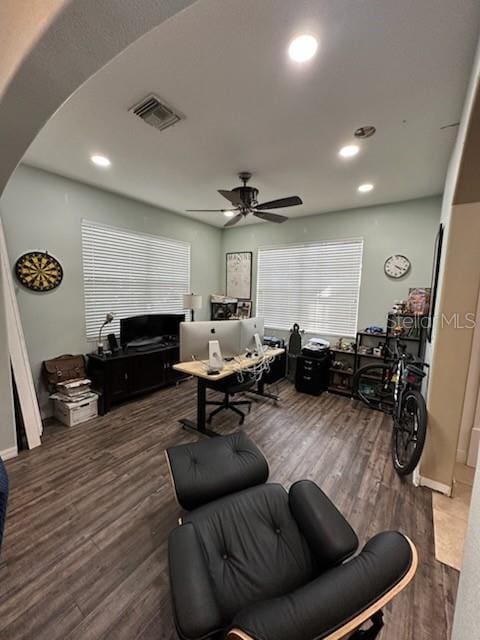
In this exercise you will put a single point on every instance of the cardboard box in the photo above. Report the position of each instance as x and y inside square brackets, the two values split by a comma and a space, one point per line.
[75, 412]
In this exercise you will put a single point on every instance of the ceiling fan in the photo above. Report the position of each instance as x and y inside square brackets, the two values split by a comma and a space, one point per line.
[244, 201]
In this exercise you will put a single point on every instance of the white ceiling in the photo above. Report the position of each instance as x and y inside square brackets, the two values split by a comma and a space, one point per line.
[402, 66]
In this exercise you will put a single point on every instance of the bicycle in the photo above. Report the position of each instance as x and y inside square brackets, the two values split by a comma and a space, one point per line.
[394, 388]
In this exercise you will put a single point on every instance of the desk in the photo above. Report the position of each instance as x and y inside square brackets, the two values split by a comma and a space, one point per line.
[198, 370]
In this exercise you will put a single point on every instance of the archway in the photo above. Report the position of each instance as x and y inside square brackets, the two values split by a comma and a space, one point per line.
[52, 48]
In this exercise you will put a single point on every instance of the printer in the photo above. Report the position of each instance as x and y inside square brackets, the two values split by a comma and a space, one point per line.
[316, 348]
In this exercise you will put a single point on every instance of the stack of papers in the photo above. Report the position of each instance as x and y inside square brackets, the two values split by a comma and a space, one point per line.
[73, 390]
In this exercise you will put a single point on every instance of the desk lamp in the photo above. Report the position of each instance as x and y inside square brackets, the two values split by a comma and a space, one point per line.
[192, 301]
[108, 318]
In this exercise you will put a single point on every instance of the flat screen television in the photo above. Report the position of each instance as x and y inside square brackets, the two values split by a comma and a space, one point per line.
[149, 327]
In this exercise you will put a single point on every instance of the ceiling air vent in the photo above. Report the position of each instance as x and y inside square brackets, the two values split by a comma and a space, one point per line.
[156, 113]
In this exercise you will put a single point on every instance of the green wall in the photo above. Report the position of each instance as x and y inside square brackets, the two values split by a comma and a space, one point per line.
[407, 227]
[41, 210]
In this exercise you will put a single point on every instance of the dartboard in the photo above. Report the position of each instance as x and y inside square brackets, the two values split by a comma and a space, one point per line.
[39, 271]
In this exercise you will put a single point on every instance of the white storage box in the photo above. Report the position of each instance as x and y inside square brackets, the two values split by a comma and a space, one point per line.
[72, 413]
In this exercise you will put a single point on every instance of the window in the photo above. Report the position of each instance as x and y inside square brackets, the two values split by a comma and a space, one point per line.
[130, 273]
[316, 284]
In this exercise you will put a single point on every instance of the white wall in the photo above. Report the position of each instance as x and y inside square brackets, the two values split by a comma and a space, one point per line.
[20, 25]
[445, 407]
[41, 210]
[408, 228]
[467, 611]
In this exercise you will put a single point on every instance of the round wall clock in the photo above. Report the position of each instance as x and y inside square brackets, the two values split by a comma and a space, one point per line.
[38, 271]
[397, 266]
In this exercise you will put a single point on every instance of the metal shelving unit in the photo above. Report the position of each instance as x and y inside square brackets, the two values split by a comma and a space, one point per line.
[344, 376]
[359, 359]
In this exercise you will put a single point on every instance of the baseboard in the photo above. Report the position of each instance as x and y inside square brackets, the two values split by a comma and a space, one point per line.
[6, 454]
[435, 486]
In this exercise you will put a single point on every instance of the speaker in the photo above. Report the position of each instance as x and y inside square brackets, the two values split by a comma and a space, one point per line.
[112, 342]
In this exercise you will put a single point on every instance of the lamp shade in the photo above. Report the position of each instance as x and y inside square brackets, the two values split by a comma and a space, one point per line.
[192, 301]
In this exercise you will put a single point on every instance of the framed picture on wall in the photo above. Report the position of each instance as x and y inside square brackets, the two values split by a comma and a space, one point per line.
[244, 309]
[239, 275]
[419, 301]
[437, 255]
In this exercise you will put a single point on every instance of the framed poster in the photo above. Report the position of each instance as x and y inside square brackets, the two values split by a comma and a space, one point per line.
[244, 309]
[239, 275]
[419, 301]
[437, 255]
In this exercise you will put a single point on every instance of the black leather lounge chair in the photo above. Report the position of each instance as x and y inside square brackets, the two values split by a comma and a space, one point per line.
[251, 561]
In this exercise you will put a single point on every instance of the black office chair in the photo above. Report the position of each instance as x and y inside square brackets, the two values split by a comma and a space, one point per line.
[3, 499]
[229, 387]
[251, 561]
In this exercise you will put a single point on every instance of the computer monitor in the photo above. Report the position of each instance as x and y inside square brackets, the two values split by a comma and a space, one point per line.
[195, 336]
[248, 329]
[149, 326]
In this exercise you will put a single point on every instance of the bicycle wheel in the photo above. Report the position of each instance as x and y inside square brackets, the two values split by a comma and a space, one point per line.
[372, 384]
[409, 432]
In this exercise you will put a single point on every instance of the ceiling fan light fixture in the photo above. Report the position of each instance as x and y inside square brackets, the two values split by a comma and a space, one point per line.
[303, 48]
[244, 201]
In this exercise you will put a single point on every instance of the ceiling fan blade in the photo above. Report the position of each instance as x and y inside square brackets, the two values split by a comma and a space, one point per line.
[210, 210]
[231, 196]
[234, 220]
[269, 216]
[292, 201]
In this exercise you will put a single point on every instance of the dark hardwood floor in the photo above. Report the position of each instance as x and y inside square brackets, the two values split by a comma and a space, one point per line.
[85, 552]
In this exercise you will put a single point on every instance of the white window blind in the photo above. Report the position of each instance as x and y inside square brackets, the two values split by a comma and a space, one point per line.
[130, 273]
[316, 284]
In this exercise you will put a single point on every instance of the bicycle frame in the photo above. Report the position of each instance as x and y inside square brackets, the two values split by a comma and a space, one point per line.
[400, 397]
[403, 383]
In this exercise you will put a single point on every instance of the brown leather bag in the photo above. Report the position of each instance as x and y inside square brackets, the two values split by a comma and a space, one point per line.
[66, 367]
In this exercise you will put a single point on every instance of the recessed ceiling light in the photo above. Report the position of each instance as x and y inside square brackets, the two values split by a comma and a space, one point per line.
[229, 214]
[349, 151]
[303, 48]
[365, 188]
[100, 161]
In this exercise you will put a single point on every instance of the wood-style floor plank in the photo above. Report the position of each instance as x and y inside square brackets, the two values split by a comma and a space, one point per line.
[85, 550]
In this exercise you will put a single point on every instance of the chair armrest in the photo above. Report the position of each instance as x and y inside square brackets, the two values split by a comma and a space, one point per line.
[338, 602]
[194, 604]
[329, 536]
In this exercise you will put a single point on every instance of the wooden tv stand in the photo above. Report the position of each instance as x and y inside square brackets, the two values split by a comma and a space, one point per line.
[129, 373]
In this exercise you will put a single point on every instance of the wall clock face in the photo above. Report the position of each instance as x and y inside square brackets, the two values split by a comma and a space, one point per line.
[38, 271]
[397, 266]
